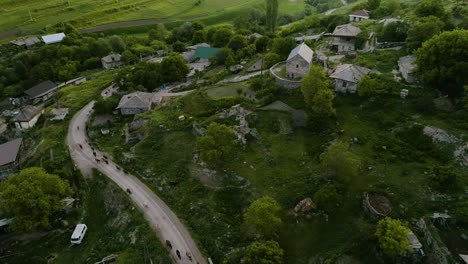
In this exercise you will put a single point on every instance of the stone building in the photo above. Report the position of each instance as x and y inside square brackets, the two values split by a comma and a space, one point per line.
[347, 77]
[407, 68]
[344, 37]
[299, 60]
[138, 102]
[359, 16]
[27, 117]
[111, 61]
[42, 91]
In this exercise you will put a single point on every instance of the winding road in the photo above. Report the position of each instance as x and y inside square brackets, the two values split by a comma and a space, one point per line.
[163, 221]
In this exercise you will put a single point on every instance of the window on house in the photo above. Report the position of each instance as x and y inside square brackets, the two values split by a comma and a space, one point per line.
[345, 84]
[297, 65]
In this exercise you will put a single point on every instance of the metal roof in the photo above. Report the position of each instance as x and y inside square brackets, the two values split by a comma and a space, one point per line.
[205, 52]
[302, 50]
[28, 41]
[9, 151]
[41, 89]
[54, 38]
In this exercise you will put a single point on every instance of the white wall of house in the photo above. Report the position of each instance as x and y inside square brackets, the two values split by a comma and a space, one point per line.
[26, 125]
[345, 87]
[343, 44]
[353, 18]
[297, 67]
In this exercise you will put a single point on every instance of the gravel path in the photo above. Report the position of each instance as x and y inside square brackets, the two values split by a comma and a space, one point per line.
[163, 221]
[243, 77]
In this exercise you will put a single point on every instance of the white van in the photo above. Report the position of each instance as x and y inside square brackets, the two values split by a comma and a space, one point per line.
[78, 234]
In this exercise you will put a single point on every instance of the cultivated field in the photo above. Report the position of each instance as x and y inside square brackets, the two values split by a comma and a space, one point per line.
[33, 15]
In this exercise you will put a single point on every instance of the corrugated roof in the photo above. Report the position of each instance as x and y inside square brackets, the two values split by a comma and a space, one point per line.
[349, 72]
[9, 151]
[54, 38]
[205, 52]
[27, 113]
[41, 89]
[362, 13]
[302, 50]
[346, 30]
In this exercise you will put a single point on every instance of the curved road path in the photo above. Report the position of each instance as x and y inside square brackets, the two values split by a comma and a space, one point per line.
[163, 221]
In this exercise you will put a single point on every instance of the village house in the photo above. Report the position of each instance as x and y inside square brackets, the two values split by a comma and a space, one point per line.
[256, 66]
[407, 68]
[344, 37]
[27, 42]
[54, 38]
[27, 117]
[111, 61]
[347, 77]
[9, 157]
[299, 60]
[42, 91]
[359, 16]
[138, 102]
[204, 53]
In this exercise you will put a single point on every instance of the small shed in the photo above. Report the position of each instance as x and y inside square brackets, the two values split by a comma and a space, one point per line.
[54, 38]
[359, 16]
[111, 61]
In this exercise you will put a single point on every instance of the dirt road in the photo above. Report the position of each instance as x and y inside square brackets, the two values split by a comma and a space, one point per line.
[163, 221]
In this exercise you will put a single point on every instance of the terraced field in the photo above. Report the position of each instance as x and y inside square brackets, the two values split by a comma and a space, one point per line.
[33, 15]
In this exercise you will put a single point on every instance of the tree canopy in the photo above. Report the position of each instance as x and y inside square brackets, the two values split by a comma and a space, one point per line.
[422, 31]
[393, 236]
[327, 197]
[271, 14]
[338, 161]
[378, 84]
[219, 141]
[442, 62]
[32, 197]
[263, 216]
[317, 93]
[268, 252]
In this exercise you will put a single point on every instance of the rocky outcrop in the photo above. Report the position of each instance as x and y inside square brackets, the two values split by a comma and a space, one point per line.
[304, 206]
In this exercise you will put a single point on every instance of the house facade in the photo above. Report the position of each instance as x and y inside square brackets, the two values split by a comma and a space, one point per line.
[9, 156]
[138, 102]
[27, 117]
[42, 91]
[347, 77]
[299, 61]
[407, 67]
[344, 37]
[359, 16]
[111, 61]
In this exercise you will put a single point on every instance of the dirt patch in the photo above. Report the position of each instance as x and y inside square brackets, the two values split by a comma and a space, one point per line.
[380, 203]
[126, 24]
[10, 33]
[193, 17]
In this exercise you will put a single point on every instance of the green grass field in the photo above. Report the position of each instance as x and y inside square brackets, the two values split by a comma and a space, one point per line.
[87, 13]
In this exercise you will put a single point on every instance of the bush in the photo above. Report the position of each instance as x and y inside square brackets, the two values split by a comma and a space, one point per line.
[327, 197]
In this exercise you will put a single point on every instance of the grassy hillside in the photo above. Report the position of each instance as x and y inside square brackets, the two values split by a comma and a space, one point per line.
[87, 13]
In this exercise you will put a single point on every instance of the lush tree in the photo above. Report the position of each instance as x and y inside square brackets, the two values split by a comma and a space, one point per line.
[158, 45]
[378, 84]
[174, 68]
[230, 61]
[327, 197]
[199, 36]
[422, 31]
[428, 8]
[271, 14]
[100, 48]
[184, 32]
[338, 161]
[317, 92]
[237, 42]
[158, 33]
[106, 106]
[218, 143]
[442, 62]
[268, 252]
[361, 39]
[178, 46]
[128, 57]
[262, 43]
[32, 197]
[443, 177]
[283, 46]
[373, 4]
[263, 216]
[117, 44]
[393, 236]
[394, 32]
[271, 59]
[222, 36]
[222, 55]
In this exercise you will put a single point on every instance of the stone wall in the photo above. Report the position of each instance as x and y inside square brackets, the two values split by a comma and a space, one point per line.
[285, 83]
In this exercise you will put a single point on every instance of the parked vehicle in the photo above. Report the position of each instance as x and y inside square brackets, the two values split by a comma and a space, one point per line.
[78, 234]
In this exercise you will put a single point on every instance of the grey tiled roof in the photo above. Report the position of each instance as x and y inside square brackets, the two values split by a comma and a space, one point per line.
[302, 50]
[27, 113]
[349, 72]
[9, 151]
[41, 89]
[346, 30]
[138, 100]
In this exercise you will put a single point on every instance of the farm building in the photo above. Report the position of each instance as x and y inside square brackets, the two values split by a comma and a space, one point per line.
[138, 102]
[27, 42]
[407, 68]
[54, 38]
[347, 77]
[42, 91]
[359, 16]
[9, 157]
[111, 61]
[204, 53]
[299, 60]
[344, 37]
[27, 117]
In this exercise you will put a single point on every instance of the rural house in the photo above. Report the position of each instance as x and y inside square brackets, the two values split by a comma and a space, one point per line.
[27, 42]
[204, 53]
[9, 157]
[344, 37]
[359, 16]
[138, 102]
[27, 117]
[299, 60]
[347, 77]
[54, 38]
[256, 66]
[42, 91]
[407, 68]
[111, 61]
